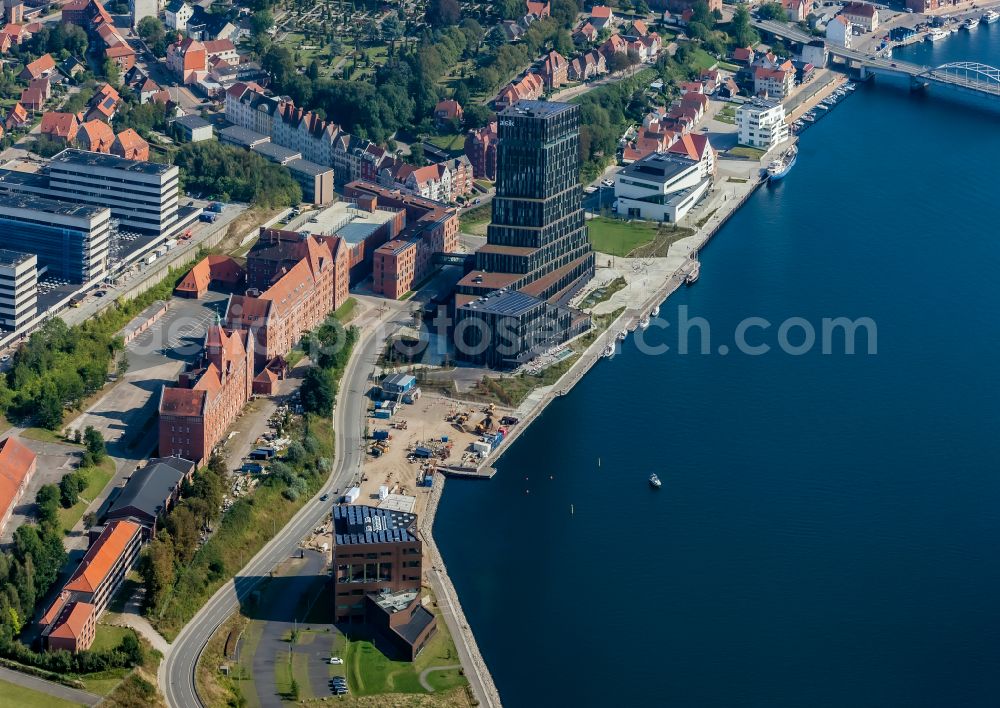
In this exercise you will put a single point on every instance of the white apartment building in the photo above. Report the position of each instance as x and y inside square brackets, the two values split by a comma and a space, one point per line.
[761, 123]
[660, 187]
[18, 288]
[838, 32]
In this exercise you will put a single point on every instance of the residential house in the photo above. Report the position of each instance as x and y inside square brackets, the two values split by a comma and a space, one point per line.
[838, 32]
[448, 111]
[32, 99]
[585, 34]
[95, 136]
[6, 42]
[104, 104]
[147, 90]
[17, 467]
[698, 102]
[116, 47]
[601, 16]
[17, 117]
[539, 9]
[648, 140]
[529, 88]
[129, 145]
[16, 32]
[743, 55]
[696, 146]
[177, 14]
[862, 15]
[773, 83]
[615, 44]
[796, 10]
[190, 58]
[554, 70]
[60, 126]
[42, 66]
[637, 29]
[588, 66]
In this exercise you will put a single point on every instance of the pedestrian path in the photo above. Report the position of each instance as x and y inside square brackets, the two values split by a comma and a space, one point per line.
[48, 687]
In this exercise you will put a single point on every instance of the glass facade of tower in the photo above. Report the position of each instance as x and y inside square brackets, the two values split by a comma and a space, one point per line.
[538, 233]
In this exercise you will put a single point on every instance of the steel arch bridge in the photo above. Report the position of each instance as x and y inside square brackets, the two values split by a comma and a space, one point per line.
[970, 74]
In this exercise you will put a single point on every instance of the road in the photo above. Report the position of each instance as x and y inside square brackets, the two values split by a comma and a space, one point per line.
[177, 672]
[48, 687]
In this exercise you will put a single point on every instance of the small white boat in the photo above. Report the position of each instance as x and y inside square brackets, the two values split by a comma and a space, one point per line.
[991, 16]
[971, 23]
[850, 86]
[782, 165]
[622, 335]
[936, 35]
[609, 351]
[692, 276]
[654, 481]
[809, 117]
[643, 322]
[655, 312]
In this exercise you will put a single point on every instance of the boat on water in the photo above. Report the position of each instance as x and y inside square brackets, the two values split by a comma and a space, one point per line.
[936, 34]
[644, 322]
[654, 481]
[991, 16]
[783, 164]
[971, 23]
[809, 117]
[822, 107]
[850, 86]
[655, 312]
[692, 277]
[609, 350]
[622, 335]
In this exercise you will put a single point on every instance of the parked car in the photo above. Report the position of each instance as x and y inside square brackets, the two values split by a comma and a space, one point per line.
[335, 659]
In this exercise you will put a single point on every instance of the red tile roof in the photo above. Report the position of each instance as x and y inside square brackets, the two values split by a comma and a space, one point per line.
[72, 624]
[16, 462]
[60, 125]
[601, 11]
[102, 556]
[40, 66]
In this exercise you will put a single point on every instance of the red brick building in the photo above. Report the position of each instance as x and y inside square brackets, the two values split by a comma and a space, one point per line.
[213, 268]
[481, 149]
[195, 414]
[394, 268]
[71, 621]
[294, 281]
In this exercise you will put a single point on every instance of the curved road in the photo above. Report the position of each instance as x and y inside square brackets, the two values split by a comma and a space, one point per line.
[177, 672]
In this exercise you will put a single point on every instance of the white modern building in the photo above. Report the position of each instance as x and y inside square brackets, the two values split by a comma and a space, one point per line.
[139, 9]
[18, 288]
[761, 123]
[660, 187]
[70, 241]
[838, 32]
[143, 196]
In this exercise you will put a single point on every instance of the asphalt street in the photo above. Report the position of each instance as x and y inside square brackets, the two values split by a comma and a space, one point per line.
[177, 672]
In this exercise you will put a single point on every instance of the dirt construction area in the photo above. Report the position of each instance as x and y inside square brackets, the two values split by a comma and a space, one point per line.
[445, 428]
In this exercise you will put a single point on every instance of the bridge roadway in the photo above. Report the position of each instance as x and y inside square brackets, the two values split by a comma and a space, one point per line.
[973, 77]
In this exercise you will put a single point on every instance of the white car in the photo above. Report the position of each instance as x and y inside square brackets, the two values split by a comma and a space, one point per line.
[608, 182]
[336, 660]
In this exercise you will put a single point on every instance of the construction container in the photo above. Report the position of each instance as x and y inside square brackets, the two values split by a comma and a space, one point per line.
[352, 495]
[422, 451]
[383, 492]
[380, 435]
[383, 413]
[482, 446]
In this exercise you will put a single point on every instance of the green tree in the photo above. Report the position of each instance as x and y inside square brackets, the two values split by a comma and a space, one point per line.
[772, 11]
[317, 391]
[443, 13]
[93, 440]
[47, 501]
[260, 22]
[740, 29]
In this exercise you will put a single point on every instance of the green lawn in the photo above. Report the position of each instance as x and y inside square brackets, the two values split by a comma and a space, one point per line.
[747, 151]
[345, 312]
[14, 695]
[109, 637]
[619, 238]
[44, 435]
[727, 114]
[702, 59]
[474, 221]
[97, 478]
[447, 142]
[104, 682]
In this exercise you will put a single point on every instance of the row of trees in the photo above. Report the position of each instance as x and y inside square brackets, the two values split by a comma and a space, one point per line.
[228, 173]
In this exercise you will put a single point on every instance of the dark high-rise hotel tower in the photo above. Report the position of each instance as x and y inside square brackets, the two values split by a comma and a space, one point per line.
[537, 253]
[537, 242]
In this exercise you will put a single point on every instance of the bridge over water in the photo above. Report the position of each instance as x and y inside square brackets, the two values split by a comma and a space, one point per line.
[967, 76]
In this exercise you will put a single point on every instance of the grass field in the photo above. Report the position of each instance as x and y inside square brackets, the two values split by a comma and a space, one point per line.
[14, 695]
[475, 221]
[751, 153]
[619, 238]
[97, 478]
[447, 142]
[702, 59]
[726, 115]
[108, 636]
[345, 312]
[44, 435]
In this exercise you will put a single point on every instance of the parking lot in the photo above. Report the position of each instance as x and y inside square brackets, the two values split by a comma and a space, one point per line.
[54, 461]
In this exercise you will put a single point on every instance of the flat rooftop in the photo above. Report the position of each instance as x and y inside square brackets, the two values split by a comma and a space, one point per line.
[394, 601]
[192, 122]
[13, 258]
[47, 206]
[276, 153]
[82, 158]
[349, 222]
[243, 136]
[359, 524]
[306, 167]
[658, 167]
[505, 303]
[536, 109]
